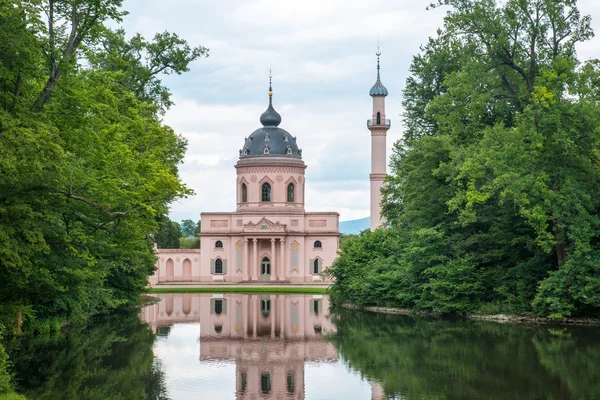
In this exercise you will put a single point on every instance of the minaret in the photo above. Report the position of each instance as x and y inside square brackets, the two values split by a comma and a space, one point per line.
[378, 125]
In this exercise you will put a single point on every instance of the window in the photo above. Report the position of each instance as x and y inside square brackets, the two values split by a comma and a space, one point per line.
[218, 328]
[290, 193]
[318, 244]
[218, 266]
[318, 329]
[316, 266]
[378, 118]
[244, 193]
[245, 152]
[244, 381]
[219, 244]
[267, 138]
[218, 307]
[266, 150]
[266, 266]
[289, 151]
[265, 383]
[290, 382]
[316, 306]
[266, 192]
[265, 307]
[285, 138]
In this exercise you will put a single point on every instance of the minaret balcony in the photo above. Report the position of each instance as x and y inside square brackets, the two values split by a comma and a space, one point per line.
[382, 122]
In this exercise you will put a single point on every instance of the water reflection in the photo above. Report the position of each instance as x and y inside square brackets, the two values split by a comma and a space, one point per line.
[427, 358]
[110, 358]
[270, 338]
[244, 347]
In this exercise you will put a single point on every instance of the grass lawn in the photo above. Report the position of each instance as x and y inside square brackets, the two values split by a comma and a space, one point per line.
[246, 290]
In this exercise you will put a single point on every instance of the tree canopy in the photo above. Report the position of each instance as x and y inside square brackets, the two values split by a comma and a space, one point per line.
[87, 167]
[493, 196]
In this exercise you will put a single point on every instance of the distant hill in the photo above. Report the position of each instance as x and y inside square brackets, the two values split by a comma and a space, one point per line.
[355, 226]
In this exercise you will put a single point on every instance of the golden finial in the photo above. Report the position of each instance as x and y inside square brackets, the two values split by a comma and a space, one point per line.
[270, 86]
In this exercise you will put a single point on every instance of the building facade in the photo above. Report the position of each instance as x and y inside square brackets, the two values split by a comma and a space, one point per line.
[270, 236]
[378, 125]
[270, 338]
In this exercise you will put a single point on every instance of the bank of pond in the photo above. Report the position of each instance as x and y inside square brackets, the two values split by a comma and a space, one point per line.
[227, 346]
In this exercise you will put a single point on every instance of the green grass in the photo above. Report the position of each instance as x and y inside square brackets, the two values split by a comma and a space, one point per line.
[224, 289]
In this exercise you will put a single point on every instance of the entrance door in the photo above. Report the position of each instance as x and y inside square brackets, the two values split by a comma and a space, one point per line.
[265, 269]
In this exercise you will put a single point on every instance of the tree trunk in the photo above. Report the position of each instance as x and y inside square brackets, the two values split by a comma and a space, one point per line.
[561, 247]
[48, 89]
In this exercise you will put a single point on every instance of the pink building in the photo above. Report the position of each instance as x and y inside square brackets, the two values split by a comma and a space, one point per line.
[269, 337]
[270, 236]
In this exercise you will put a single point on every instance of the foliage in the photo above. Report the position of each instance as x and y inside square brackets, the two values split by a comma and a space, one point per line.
[429, 358]
[190, 228]
[494, 194]
[87, 168]
[168, 234]
[5, 376]
[109, 358]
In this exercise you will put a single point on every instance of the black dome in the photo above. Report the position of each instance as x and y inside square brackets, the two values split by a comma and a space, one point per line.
[277, 141]
[270, 140]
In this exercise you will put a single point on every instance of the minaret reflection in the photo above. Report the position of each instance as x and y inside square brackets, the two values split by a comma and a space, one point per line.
[270, 337]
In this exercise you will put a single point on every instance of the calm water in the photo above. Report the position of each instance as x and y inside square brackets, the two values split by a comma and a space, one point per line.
[293, 347]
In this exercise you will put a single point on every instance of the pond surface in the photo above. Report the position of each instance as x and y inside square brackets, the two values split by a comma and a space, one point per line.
[204, 346]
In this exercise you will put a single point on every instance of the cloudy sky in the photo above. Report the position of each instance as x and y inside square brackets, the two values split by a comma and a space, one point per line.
[322, 55]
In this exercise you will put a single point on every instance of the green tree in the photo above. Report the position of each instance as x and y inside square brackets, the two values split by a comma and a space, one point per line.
[494, 192]
[168, 234]
[190, 228]
[86, 165]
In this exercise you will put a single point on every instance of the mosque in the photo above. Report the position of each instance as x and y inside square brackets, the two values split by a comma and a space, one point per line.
[270, 236]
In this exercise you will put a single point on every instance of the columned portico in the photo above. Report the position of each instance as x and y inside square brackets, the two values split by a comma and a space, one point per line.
[254, 259]
[273, 263]
[245, 265]
[282, 259]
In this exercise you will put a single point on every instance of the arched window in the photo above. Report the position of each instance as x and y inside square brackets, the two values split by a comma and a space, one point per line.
[245, 152]
[265, 266]
[265, 307]
[289, 151]
[290, 193]
[265, 383]
[218, 307]
[244, 193]
[266, 150]
[378, 118]
[218, 328]
[316, 266]
[218, 266]
[219, 244]
[266, 192]
[318, 244]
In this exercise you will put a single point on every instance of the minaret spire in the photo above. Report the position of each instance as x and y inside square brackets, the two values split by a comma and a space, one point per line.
[378, 125]
[270, 84]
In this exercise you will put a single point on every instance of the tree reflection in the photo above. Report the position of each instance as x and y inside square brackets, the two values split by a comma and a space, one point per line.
[426, 358]
[110, 358]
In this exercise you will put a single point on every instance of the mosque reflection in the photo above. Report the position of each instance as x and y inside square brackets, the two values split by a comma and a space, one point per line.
[269, 337]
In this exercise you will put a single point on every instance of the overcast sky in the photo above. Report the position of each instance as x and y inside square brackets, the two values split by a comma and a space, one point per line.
[322, 55]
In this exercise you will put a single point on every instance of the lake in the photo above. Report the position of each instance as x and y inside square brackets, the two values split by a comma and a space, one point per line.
[234, 346]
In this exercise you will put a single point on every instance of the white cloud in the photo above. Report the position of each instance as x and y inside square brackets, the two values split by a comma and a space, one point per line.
[322, 55]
